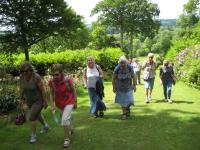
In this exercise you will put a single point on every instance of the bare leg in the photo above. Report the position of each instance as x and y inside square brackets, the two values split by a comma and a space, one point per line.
[124, 113]
[33, 127]
[150, 91]
[66, 132]
[41, 119]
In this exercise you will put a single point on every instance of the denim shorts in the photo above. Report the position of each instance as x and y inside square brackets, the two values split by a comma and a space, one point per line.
[148, 84]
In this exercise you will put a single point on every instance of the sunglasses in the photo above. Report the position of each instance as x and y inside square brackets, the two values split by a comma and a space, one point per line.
[24, 71]
[55, 74]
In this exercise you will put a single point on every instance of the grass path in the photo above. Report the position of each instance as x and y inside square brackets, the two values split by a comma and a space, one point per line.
[155, 126]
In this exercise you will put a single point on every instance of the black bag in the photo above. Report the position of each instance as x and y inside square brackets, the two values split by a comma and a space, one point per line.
[101, 106]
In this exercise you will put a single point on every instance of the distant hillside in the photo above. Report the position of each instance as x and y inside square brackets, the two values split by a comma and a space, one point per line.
[164, 22]
[168, 22]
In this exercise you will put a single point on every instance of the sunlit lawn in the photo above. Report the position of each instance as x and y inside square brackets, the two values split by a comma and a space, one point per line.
[155, 126]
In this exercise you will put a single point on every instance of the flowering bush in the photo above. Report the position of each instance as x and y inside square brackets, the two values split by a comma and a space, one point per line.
[187, 65]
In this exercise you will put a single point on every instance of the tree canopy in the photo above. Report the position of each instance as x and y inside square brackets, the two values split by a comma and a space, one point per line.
[26, 22]
[130, 16]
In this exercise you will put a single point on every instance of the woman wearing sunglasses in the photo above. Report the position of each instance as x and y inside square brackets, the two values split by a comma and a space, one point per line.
[32, 91]
[64, 97]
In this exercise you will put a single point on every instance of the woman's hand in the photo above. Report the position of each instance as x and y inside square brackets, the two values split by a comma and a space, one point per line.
[75, 105]
[161, 82]
[21, 104]
[114, 90]
[52, 108]
[134, 88]
[85, 86]
[45, 104]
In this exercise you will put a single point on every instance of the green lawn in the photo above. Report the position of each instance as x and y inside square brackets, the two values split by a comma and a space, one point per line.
[155, 126]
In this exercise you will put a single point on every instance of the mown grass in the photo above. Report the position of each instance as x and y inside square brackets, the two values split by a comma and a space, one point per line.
[155, 126]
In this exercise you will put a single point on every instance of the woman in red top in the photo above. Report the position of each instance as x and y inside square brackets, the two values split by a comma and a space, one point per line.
[64, 96]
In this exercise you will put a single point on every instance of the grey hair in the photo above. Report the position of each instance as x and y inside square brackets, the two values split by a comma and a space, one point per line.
[123, 59]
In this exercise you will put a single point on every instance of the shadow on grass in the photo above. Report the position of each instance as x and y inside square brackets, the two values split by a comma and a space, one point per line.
[174, 101]
[141, 131]
[145, 130]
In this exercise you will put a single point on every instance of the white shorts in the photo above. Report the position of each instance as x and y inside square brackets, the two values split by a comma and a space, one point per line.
[66, 115]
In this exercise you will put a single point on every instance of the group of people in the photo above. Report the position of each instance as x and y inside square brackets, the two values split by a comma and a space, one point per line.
[126, 76]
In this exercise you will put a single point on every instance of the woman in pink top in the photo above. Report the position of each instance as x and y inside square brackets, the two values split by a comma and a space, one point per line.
[64, 96]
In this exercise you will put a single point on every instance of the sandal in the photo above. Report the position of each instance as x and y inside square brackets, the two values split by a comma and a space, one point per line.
[66, 143]
[128, 112]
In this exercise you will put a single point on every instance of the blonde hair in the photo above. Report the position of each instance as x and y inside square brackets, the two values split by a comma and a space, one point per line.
[165, 61]
[90, 57]
[150, 55]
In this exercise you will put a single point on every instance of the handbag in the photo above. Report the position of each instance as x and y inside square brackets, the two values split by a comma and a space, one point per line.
[20, 119]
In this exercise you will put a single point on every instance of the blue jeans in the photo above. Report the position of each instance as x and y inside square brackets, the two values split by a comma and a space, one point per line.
[167, 87]
[137, 73]
[93, 100]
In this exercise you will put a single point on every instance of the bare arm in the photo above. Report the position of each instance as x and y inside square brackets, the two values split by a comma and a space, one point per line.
[75, 95]
[21, 96]
[100, 72]
[43, 92]
[52, 98]
[84, 78]
[113, 82]
[134, 81]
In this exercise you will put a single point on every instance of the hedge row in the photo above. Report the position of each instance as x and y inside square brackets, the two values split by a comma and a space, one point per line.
[72, 60]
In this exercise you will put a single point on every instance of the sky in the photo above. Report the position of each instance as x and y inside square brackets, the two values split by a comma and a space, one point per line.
[169, 9]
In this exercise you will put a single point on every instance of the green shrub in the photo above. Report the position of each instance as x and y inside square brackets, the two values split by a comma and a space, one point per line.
[8, 99]
[159, 60]
[71, 60]
[142, 52]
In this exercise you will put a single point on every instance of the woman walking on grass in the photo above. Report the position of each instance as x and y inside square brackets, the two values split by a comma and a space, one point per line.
[124, 82]
[166, 79]
[149, 73]
[64, 96]
[32, 91]
[93, 81]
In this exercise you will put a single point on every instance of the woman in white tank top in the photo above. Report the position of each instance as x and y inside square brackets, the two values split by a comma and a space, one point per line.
[90, 75]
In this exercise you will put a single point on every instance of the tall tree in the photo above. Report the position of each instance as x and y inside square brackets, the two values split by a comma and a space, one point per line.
[140, 18]
[112, 14]
[26, 22]
[191, 14]
[131, 16]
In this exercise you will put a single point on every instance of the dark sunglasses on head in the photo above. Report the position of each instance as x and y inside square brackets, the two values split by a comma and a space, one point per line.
[24, 71]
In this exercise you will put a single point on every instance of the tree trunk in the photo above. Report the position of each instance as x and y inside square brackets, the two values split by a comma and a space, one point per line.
[131, 44]
[121, 37]
[26, 53]
[44, 45]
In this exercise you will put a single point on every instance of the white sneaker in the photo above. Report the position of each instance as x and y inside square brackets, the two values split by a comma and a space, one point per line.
[33, 138]
[147, 100]
[45, 129]
[169, 100]
[165, 100]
